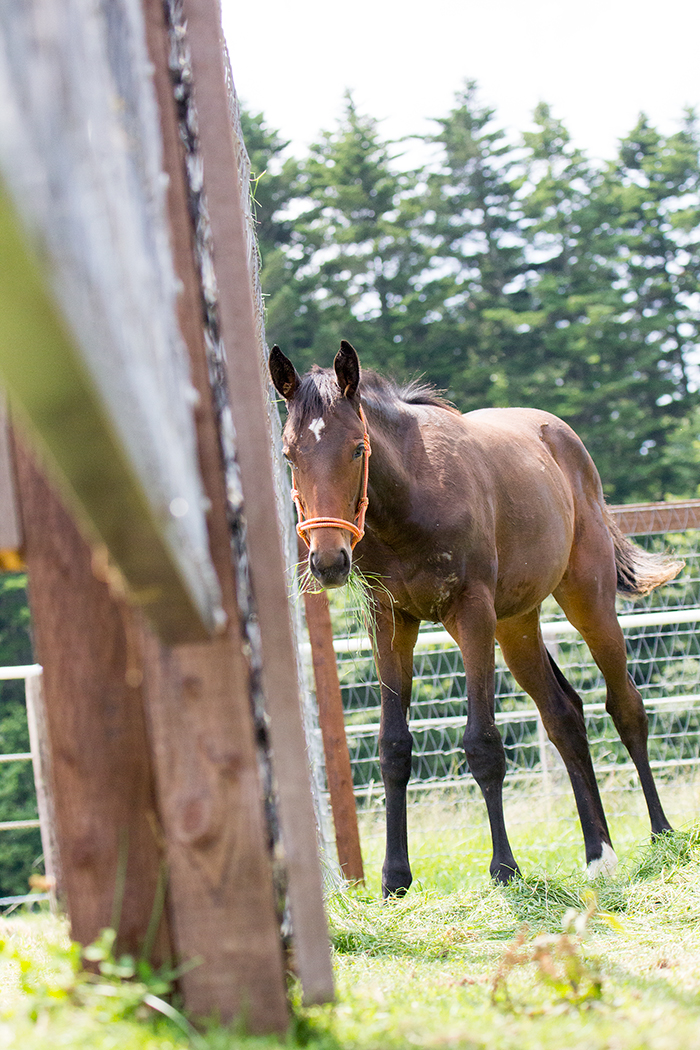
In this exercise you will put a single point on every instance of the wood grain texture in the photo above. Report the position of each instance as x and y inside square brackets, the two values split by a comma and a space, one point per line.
[105, 811]
[335, 746]
[222, 896]
[268, 569]
[89, 346]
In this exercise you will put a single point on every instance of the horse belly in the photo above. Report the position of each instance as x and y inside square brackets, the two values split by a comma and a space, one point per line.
[534, 548]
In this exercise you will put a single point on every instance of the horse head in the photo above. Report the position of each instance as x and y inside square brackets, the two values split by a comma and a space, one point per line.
[327, 445]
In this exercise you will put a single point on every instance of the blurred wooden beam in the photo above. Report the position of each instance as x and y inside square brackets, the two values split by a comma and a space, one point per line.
[89, 348]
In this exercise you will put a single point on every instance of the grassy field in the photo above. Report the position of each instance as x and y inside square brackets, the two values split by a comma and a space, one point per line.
[458, 963]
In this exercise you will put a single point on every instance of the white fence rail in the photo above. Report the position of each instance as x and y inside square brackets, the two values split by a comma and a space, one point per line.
[663, 646]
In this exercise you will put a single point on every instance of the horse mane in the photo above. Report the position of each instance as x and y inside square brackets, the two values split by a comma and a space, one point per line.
[318, 390]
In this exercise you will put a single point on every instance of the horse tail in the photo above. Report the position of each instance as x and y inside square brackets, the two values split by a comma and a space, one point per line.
[639, 571]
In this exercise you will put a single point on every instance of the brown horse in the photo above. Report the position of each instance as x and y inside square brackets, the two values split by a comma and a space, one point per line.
[472, 521]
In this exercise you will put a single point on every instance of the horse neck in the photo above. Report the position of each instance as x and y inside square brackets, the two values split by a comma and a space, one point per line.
[389, 474]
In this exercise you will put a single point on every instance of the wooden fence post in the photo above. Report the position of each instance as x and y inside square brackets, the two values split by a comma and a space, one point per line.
[199, 703]
[267, 564]
[335, 746]
[105, 812]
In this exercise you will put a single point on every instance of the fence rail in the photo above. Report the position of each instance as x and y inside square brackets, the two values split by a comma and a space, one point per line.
[664, 661]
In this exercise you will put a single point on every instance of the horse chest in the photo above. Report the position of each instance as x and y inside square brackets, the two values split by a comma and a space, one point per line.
[423, 587]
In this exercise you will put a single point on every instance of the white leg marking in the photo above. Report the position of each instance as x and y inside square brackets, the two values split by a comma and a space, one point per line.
[316, 426]
[605, 864]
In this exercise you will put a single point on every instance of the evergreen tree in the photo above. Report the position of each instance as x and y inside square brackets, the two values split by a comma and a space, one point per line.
[602, 321]
[473, 222]
[506, 273]
[354, 248]
[274, 181]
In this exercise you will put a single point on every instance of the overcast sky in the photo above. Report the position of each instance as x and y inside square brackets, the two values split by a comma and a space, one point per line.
[597, 64]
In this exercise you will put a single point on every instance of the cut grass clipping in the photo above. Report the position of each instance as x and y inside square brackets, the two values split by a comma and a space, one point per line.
[547, 961]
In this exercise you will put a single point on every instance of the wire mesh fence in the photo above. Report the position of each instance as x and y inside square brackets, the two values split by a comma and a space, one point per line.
[663, 646]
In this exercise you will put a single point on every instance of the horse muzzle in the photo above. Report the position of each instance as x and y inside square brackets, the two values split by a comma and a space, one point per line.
[330, 567]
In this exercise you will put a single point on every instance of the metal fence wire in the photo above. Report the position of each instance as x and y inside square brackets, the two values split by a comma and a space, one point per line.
[664, 662]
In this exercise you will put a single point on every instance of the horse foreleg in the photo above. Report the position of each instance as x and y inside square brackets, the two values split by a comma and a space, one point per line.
[396, 636]
[473, 627]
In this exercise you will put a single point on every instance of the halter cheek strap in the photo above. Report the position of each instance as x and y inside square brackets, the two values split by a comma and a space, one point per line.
[356, 528]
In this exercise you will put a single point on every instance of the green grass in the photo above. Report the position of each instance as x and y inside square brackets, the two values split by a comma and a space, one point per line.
[548, 961]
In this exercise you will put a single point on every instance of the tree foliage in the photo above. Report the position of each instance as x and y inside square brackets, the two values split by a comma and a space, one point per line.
[507, 271]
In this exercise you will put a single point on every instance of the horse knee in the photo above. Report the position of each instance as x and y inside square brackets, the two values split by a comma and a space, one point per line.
[485, 753]
[395, 758]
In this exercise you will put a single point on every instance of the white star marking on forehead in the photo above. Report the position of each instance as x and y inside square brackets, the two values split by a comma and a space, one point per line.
[316, 426]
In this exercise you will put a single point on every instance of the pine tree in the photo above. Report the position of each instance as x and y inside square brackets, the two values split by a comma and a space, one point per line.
[473, 222]
[273, 190]
[607, 306]
[355, 251]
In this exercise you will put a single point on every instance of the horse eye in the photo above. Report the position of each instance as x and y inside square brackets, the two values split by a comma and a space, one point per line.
[358, 451]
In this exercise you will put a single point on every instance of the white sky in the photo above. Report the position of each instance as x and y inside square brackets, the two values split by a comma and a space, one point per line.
[598, 63]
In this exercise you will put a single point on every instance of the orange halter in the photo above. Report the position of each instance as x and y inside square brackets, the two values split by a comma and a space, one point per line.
[356, 528]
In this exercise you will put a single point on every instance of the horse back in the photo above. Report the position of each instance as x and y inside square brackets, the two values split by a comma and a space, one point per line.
[545, 492]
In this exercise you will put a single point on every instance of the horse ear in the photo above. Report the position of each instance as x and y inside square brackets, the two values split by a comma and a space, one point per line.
[284, 375]
[347, 369]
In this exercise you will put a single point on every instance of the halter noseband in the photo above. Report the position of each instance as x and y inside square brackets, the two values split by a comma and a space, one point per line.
[356, 528]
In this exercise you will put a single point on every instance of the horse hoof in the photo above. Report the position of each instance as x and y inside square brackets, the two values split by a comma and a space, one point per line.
[396, 885]
[605, 864]
[393, 895]
[505, 873]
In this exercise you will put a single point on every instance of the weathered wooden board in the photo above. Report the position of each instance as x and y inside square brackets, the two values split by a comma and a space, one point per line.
[89, 345]
[267, 566]
[206, 764]
[112, 871]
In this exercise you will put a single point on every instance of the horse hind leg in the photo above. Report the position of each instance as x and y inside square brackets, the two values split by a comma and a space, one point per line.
[561, 710]
[593, 615]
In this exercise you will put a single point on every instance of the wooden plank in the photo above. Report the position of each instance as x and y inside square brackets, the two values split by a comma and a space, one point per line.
[43, 782]
[106, 826]
[639, 519]
[222, 894]
[335, 746]
[89, 346]
[267, 566]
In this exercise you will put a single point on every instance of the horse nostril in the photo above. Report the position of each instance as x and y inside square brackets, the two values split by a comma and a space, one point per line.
[331, 568]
